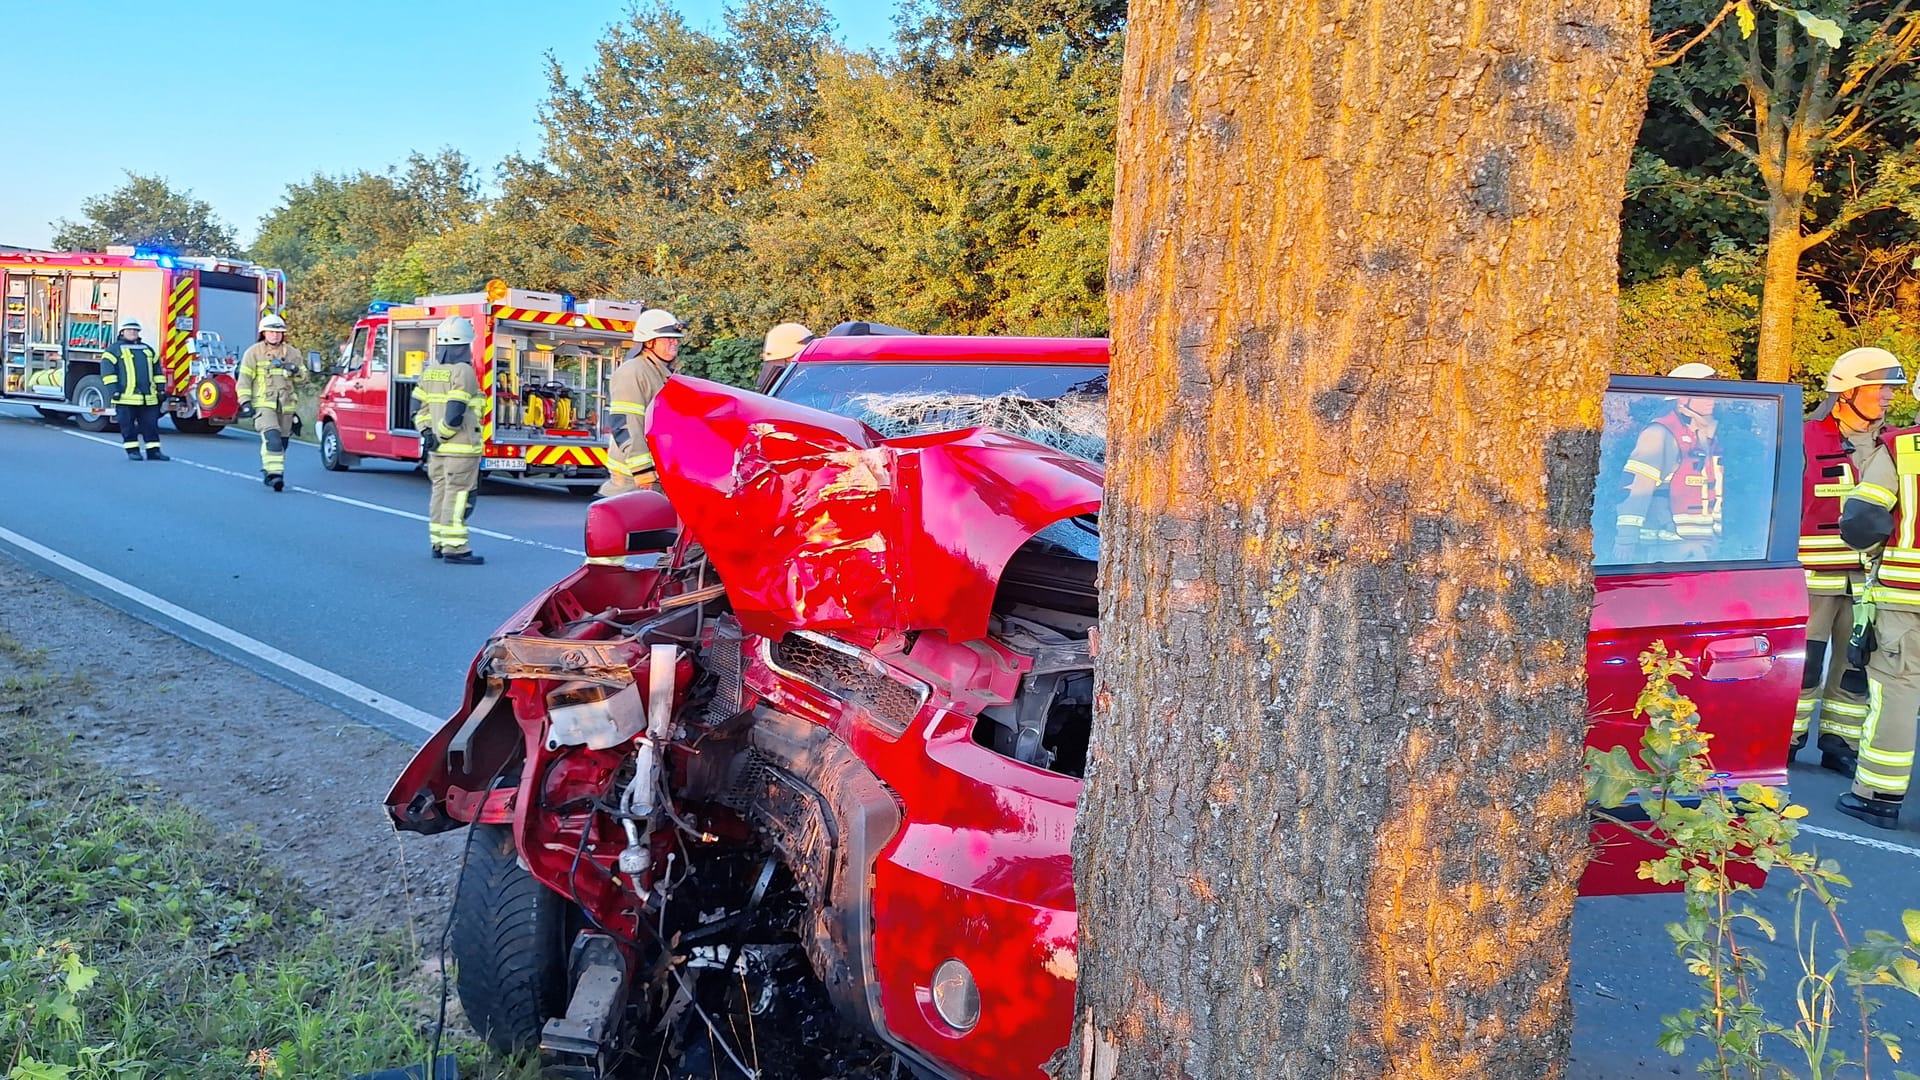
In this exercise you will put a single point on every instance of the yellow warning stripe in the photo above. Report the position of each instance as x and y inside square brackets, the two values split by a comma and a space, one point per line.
[182, 307]
[589, 456]
[486, 388]
[555, 318]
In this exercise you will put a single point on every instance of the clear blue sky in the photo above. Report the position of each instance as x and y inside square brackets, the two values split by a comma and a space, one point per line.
[235, 100]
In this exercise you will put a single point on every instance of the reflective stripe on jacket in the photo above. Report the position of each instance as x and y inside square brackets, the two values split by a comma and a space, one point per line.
[1890, 479]
[440, 386]
[132, 373]
[267, 375]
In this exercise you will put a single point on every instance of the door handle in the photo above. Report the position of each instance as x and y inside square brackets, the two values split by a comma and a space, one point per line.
[1733, 659]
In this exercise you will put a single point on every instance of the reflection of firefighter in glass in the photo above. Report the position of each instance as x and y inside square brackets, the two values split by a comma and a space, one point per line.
[1838, 437]
[1672, 501]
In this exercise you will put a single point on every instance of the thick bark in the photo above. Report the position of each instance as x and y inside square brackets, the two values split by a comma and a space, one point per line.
[1363, 297]
[1780, 291]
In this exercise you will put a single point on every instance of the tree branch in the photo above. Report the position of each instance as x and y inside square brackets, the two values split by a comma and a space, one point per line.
[1686, 102]
[1660, 60]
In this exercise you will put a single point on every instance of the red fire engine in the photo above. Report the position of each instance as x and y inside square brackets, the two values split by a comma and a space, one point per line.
[542, 358]
[62, 309]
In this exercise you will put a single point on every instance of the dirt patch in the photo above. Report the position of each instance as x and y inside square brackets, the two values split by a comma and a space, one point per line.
[244, 751]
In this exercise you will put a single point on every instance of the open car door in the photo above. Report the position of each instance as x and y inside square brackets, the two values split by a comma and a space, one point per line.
[1711, 569]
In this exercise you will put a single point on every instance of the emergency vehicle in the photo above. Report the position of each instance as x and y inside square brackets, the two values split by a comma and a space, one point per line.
[542, 360]
[62, 310]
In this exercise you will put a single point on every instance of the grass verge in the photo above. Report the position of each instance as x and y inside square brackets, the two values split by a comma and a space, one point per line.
[137, 940]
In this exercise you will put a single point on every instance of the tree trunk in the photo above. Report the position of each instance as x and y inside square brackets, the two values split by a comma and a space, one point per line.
[1780, 292]
[1363, 296]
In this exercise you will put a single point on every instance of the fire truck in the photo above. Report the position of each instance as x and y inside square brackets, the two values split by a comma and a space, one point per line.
[542, 360]
[62, 310]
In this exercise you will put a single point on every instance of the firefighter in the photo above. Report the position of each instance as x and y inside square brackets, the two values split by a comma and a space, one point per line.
[1670, 507]
[656, 336]
[131, 370]
[782, 344]
[1881, 516]
[447, 405]
[268, 373]
[1838, 437]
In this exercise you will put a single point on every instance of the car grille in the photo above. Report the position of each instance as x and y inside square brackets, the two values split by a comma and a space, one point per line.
[724, 660]
[850, 675]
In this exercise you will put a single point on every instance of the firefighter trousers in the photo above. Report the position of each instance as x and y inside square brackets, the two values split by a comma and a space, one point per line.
[1893, 678]
[454, 477]
[139, 426]
[1842, 693]
[276, 430]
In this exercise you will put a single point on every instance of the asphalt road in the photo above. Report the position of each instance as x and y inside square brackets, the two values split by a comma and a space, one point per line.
[328, 588]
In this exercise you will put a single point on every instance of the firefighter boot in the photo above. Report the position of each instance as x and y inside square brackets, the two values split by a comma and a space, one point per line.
[132, 454]
[1881, 812]
[1836, 755]
[437, 553]
[465, 558]
[154, 454]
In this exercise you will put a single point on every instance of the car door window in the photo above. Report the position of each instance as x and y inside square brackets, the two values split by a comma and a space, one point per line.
[379, 357]
[357, 352]
[1689, 474]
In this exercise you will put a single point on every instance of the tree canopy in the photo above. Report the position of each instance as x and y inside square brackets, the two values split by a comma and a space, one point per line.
[146, 212]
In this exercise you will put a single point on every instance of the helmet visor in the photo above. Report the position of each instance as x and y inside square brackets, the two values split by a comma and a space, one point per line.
[1892, 376]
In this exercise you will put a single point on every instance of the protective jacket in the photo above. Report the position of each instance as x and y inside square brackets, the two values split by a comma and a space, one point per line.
[448, 402]
[1883, 511]
[1828, 474]
[1687, 501]
[268, 374]
[132, 373]
[631, 389]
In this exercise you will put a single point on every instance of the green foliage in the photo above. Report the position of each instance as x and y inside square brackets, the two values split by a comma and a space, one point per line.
[1708, 833]
[138, 941]
[146, 212]
[731, 360]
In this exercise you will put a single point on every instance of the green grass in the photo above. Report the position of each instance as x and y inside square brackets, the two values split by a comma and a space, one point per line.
[22, 654]
[137, 940]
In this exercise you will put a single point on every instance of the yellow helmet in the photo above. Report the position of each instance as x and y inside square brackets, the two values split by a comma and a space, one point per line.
[785, 341]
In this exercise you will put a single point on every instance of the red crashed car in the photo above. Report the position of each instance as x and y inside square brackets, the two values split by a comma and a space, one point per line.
[793, 787]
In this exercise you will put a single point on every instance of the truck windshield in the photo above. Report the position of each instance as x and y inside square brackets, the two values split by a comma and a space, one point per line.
[1059, 405]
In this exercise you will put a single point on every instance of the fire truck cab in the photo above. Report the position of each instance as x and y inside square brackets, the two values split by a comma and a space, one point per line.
[62, 310]
[542, 359]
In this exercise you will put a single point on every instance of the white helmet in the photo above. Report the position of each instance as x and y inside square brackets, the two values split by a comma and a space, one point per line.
[656, 323]
[1866, 366]
[1694, 370]
[454, 330]
[785, 341]
[274, 323]
[131, 324]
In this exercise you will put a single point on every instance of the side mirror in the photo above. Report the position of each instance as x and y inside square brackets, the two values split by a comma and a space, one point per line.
[637, 523]
[314, 363]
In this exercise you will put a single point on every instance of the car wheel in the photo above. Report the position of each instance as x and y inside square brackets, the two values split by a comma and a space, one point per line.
[509, 941]
[91, 393]
[331, 456]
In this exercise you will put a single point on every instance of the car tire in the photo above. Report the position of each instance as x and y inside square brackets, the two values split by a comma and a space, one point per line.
[509, 944]
[332, 457]
[195, 425]
[91, 392]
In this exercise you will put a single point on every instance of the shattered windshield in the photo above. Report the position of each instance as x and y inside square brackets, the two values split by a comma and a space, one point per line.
[1063, 406]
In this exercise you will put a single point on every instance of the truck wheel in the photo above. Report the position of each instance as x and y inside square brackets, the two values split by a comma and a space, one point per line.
[91, 393]
[195, 425]
[52, 416]
[509, 944]
[331, 456]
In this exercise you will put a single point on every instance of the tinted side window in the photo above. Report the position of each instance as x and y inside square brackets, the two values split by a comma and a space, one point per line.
[1685, 479]
[379, 357]
[357, 352]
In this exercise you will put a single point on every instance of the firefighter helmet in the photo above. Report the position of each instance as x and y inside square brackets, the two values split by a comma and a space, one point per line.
[273, 323]
[1694, 370]
[454, 330]
[785, 341]
[656, 323]
[1866, 366]
[131, 324]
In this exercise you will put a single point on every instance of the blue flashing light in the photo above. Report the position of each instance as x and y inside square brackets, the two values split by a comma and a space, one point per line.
[380, 307]
[566, 301]
[161, 256]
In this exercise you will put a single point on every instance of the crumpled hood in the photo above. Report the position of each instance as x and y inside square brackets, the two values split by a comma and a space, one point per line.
[814, 522]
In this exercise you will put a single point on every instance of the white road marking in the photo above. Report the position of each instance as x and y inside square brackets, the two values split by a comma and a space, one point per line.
[260, 650]
[1867, 841]
[329, 496]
